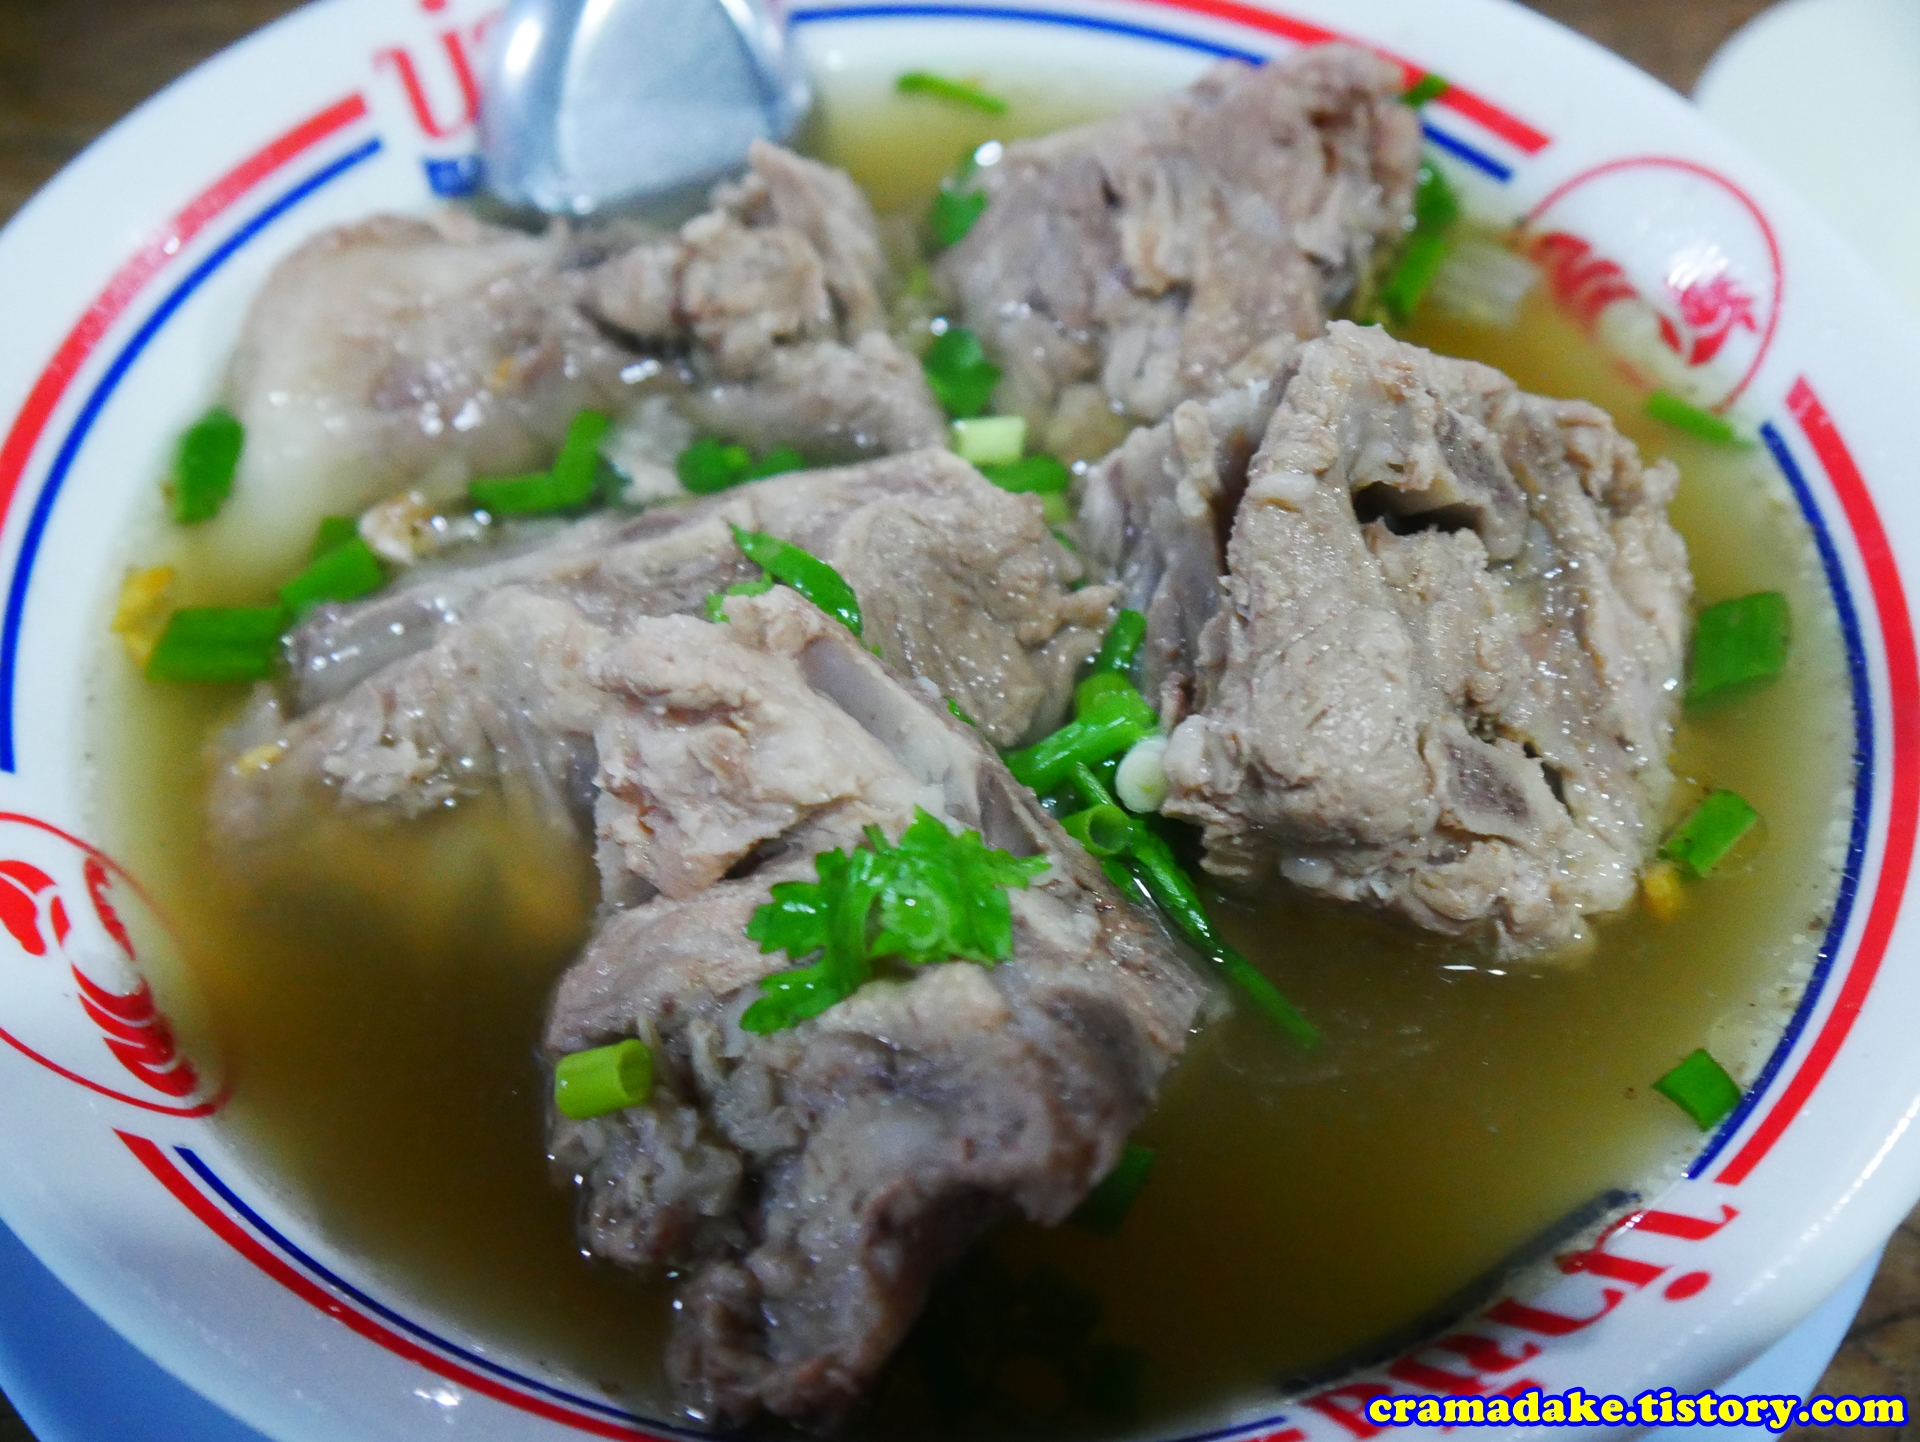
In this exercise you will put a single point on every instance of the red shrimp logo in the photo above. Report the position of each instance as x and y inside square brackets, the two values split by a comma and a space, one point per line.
[435, 82]
[72, 994]
[1693, 307]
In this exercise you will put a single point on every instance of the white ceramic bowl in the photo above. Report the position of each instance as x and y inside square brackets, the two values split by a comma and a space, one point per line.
[122, 286]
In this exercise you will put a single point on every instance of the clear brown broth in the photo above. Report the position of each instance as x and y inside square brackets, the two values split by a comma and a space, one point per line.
[377, 993]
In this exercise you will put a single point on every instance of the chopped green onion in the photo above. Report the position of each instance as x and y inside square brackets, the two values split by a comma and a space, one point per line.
[349, 570]
[1056, 512]
[954, 707]
[204, 465]
[219, 643]
[707, 466]
[1419, 263]
[606, 1079]
[1684, 416]
[528, 495]
[961, 92]
[1122, 643]
[989, 440]
[577, 467]
[716, 609]
[1426, 89]
[1435, 203]
[958, 372]
[1152, 876]
[1166, 880]
[1140, 781]
[1030, 474]
[1107, 1205]
[1096, 688]
[1103, 830]
[952, 214]
[776, 462]
[1113, 725]
[334, 531]
[1701, 1088]
[1736, 645]
[1435, 209]
[806, 573]
[1702, 841]
[571, 481]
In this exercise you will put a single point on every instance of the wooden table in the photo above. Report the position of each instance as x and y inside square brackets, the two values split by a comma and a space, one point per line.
[70, 68]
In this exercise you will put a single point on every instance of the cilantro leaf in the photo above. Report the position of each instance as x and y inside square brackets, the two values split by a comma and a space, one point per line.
[935, 896]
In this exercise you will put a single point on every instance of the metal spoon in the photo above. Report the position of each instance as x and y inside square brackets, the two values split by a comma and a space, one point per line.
[591, 105]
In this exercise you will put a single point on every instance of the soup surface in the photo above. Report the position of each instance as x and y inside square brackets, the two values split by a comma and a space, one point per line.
[377, 994]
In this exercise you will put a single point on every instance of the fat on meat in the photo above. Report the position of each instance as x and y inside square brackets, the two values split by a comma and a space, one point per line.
[808, 1184]
[402, 353]
[1150, 258]
[467, 677]
[1443, 675]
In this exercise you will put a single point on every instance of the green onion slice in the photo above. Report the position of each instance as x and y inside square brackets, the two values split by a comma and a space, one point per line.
[1103, 830]
[1419, 263]
[219, 643]
[1685, 416]
[1701, 1088]
[1436, 205]
[1425, 90]
[349, 570]
[1122, 643]
[1096, 688]
[334, 531]
[605, 1079]
[204, 466]
[989, 440]
[776, 462]
[960, 92]
[1711, 829]
[716, 608]
[1107, 1205]
[571, 482]
[1736, 645]
[1114, 724]
[1042, 475]
[805, 572]
[952, 214]
[707, 466]
[958, 372]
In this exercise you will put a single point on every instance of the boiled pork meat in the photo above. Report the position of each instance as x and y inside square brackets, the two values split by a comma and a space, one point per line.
[1443, 675]
[467, 677]
[1158, 256]
[809, 1183]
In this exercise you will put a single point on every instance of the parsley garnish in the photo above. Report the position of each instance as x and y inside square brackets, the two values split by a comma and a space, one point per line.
[936, 896]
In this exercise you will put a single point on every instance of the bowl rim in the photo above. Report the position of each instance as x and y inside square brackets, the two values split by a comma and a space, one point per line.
[1831, 1191]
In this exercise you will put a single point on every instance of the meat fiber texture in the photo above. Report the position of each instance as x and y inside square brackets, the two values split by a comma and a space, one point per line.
[1148, 259]
[401, 353]
[1155, 514]
[812, 1181]
[469, 677]
[1443, 677]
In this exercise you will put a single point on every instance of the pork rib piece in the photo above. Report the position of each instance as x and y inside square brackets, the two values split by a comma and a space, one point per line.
[1150, 257]
[813, 1180]
[462, 677]
[1155, 513]
[1444, 676]
[401, 352]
